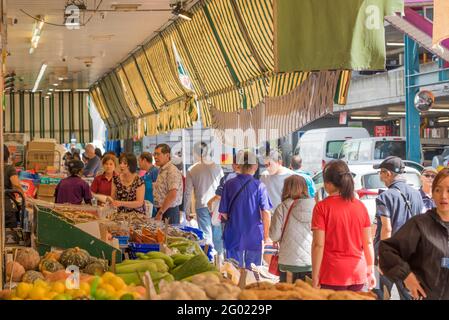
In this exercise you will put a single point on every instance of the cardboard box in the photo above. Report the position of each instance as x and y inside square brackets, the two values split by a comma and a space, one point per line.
[41, 146]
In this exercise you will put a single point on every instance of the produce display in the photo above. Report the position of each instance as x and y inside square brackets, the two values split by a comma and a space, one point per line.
[106, 287]
[203, 286]
[162, 267]
[298, 291]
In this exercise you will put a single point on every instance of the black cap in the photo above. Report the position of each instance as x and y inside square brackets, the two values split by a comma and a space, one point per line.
[76, 164]
[393, 164]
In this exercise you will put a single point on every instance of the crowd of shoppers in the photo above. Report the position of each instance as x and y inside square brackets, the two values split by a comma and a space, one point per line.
[327, 240]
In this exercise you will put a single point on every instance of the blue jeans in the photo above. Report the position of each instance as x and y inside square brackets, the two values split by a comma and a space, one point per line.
[245, 257]
[384, 281]
[205, 223]
[212, 234]
[172, 215]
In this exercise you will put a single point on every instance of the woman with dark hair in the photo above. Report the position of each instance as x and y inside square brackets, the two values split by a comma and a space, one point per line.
[128, 189]
[342, 247]
[73, 189]
[418, 254]
[11, 180]
[102, 183]
[98, 153]
[290, 228]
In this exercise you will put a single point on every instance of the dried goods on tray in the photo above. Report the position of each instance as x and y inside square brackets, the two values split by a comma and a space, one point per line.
[297, 291]
[77, 216]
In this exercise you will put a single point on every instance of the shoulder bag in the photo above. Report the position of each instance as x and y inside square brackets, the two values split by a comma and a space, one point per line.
[274, 263]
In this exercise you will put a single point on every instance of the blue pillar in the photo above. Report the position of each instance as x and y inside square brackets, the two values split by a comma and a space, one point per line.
[412, 118]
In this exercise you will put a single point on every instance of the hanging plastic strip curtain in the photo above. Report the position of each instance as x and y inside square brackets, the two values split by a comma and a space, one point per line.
[279, 116]
[63, 116]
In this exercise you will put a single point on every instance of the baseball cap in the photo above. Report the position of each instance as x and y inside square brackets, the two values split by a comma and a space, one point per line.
[429, 169]
[393, 164]
[76, 164]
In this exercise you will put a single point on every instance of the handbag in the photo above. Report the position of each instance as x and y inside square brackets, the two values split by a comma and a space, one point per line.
[273, 268]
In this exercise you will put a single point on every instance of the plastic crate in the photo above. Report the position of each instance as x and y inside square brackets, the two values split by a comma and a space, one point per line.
[135, 248]
[123, 241]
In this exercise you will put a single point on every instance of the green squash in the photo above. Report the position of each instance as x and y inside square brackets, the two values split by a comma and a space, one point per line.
[31, 276]
[50, 265]
[75, 257]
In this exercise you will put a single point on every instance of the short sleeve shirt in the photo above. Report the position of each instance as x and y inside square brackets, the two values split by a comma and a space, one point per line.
[343, 222]
[92, 166]
[244, 228]
[73, 190]
[128, 193]
[169, 178]
[101, 185]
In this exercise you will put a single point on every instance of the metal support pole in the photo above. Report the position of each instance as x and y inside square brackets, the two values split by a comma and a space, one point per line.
[412, 118]
[444, 73]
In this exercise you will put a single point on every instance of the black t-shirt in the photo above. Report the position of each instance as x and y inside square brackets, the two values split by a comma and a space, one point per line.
[10, 171]
[10, 207]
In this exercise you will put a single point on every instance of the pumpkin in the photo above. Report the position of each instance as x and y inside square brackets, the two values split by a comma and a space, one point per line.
[60, 275]
[96, 268]
[75, 257]
[31, 276]
[50, 265]
[16, 270]
[28, 258]
[55, 255]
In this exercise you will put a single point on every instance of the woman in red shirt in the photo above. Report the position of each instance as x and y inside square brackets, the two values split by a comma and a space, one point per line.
[102, 184]
[342, 247]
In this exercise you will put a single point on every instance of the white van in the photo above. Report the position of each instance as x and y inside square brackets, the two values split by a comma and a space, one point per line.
[370, 149]
[317, 147]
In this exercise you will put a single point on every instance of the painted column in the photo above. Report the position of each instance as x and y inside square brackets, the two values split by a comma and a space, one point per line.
[412, 118]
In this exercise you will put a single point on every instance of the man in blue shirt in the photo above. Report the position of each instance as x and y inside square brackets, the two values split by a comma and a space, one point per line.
[394, 208]
[245, 206]
[151, 172]
[296, 167]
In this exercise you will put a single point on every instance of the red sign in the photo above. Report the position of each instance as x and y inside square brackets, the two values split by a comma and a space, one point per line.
[382, 131]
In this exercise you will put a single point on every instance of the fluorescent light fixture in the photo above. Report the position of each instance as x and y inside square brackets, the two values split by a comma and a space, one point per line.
[61, 78]
[56, 84]
[396, 113]
[39, 77]
[183, 14]
[51, 89]
[82, 90]
[443, 121]
[125, 7]
[439, 110]
[395, 44]
[37, 31]
[365, 118]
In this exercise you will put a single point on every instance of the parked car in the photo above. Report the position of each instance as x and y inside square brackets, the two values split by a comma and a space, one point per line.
[367, 182]
[370, 149]
[317, 147]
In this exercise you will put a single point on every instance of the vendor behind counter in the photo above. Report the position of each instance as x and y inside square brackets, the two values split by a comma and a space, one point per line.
[73, 189]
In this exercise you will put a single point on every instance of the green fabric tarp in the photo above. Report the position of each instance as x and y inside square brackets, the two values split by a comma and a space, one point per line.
[331, 34]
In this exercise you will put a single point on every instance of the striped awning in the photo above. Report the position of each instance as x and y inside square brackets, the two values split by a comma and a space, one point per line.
[63, 116]
[227, 52]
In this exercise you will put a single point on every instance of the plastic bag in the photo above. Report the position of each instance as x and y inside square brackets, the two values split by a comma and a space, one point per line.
[216, 217]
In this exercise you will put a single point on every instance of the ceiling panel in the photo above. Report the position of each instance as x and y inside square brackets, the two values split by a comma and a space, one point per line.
[104, 41]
